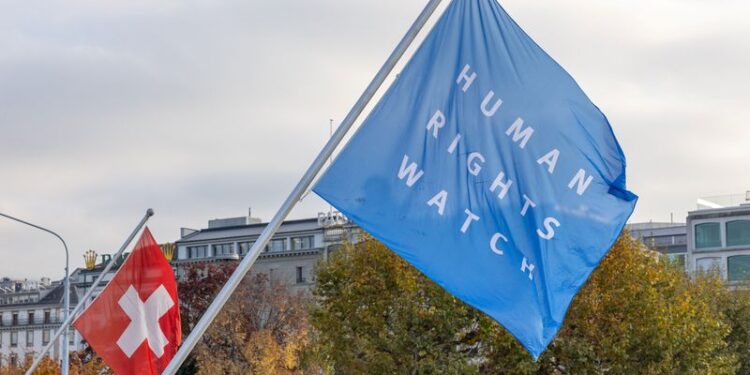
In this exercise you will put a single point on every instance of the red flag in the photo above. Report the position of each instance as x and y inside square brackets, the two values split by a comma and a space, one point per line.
[134, 324]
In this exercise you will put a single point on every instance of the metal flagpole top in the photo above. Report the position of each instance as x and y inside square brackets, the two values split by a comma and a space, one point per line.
[223, 296]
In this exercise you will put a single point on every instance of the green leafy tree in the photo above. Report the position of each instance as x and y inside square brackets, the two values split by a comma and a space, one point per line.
[636, 315]
[734, 305]
[377, 314]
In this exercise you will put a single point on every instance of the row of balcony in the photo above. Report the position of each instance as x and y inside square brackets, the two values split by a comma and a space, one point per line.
[27, 322]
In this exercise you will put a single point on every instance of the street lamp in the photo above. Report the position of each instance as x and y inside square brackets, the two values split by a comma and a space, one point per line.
[66, 285]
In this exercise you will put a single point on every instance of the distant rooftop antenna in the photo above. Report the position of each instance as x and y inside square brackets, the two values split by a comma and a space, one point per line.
[330, 158]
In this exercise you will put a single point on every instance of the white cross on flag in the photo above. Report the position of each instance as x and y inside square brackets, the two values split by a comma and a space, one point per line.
[134, 324]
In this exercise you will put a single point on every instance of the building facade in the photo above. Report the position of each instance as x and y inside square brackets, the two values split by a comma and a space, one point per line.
[669, 239]
[290, 256]
[30, 314]
[719, 240]
[32, 311]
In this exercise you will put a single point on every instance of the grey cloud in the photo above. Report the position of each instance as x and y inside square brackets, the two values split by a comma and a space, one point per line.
[203, 108]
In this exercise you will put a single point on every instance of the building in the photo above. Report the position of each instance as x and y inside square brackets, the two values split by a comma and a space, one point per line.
[719, 239]
[669, 239]
[289, 257]
[30, 314]
[32, 311]
[82, 279]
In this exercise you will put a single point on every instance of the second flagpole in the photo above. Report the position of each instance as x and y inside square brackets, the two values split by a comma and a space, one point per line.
[234, 280]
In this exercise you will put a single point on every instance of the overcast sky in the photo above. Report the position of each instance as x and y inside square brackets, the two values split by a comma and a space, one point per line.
[201, 109]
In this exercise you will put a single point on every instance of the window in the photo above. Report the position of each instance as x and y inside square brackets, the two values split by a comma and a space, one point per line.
[355, 236]
[71, 337]
[300, 275]
[14, 321]
[710, 264]
[738, 232]
[29, 337]
[197, 252]
[47, 317]
[738, 268]
[31, 317]
[302, 243]
[13, 339]
[245, 247]
[45, 336]
[678, 259]
[707, 235]
[223, 249]
[660, 241]
[276, 245]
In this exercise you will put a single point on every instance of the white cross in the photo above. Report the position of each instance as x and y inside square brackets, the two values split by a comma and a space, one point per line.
[144, 320]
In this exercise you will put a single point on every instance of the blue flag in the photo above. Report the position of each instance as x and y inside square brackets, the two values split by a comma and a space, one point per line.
[487, 168]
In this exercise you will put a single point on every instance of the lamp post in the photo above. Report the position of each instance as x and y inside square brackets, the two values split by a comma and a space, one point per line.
[66, 285]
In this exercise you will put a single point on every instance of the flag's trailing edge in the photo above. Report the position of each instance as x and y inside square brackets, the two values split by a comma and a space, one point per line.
[487, 168]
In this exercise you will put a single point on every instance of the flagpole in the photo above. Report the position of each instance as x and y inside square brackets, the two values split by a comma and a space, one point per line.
[82, 302]
[223, 296]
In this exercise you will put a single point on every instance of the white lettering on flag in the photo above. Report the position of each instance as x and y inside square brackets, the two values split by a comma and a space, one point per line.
[470, 216]
[436, 122]
[486, 101]
[474, 166]
[503, 185]
[550, 159]
[439, 200]
[549, 231]
[454, 144]
[411, 170]
[467, 78]
[144, 321]
[581, 180]
[519, 133]
[493, 243]
[526, 266]
[526, 204]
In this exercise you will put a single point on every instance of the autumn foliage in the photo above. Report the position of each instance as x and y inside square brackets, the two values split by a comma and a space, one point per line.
[373, 313]
[263, 329]
[638, 314]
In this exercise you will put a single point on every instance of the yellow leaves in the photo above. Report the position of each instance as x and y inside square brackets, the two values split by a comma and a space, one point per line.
[263, 353]
[262, 330]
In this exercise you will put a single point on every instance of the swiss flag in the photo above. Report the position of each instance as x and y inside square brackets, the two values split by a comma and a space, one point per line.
[134, 324]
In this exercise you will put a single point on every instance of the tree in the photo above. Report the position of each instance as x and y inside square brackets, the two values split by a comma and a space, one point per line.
[377, 314]
[263, 329]
[86, 362]
[196, 289]
[734, 305]
[83, 362]
[637, 315]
